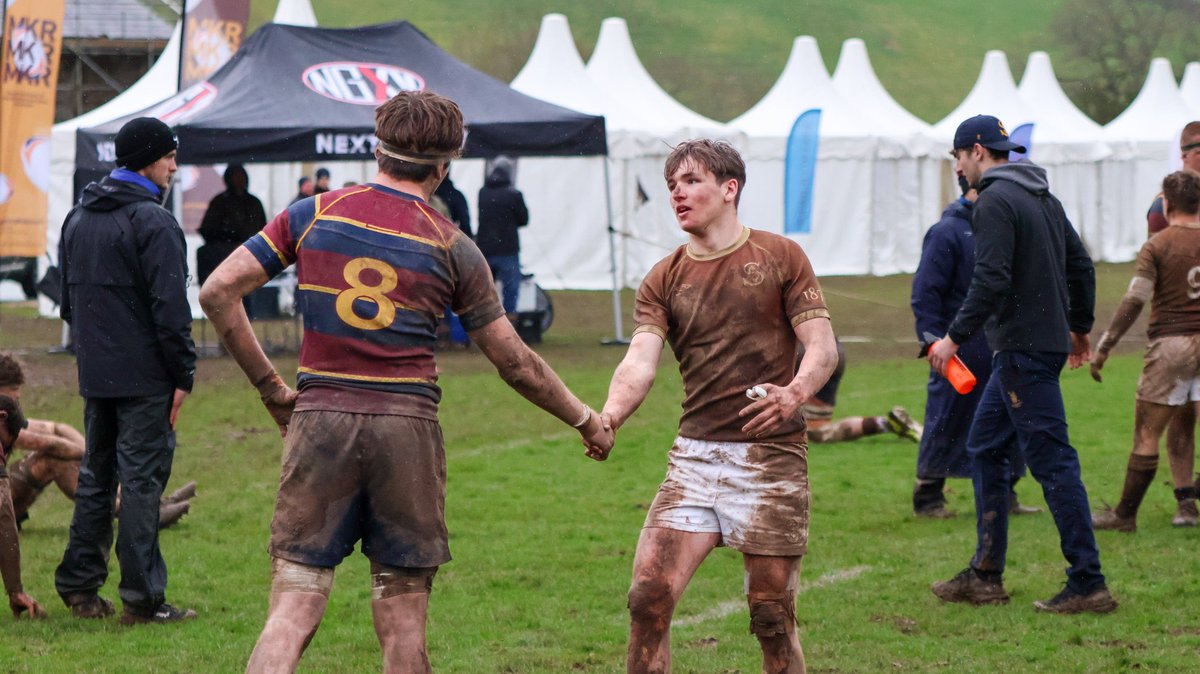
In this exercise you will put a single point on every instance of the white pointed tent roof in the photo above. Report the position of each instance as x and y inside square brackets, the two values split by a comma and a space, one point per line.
[1055, 117]
[1157, 113]
[1189, 88]
[618, 72]
[295, 13]
[161, 81]
[855, 80]
[994, 94]
[803, 85]
[555, 73]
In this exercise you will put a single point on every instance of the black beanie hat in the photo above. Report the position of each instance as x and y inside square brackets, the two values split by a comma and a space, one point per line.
[143, 141]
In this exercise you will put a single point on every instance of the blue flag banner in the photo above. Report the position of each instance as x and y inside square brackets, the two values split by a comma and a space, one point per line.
[800, 168]
[1022, 135]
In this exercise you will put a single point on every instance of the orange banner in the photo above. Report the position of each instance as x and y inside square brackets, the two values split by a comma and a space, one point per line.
[32, 39]
[213, 32]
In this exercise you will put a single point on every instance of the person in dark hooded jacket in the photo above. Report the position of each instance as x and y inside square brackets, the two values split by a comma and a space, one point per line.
[938, 290]
[124, 270]
[501, 212]
[232, 217]
[1034, 285]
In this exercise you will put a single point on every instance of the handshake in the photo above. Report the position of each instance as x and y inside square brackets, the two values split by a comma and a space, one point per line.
[597, 432]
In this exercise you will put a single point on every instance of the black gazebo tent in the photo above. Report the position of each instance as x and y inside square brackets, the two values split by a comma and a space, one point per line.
[294, 93]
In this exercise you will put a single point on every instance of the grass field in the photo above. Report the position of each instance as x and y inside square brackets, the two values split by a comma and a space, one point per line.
[543, 538]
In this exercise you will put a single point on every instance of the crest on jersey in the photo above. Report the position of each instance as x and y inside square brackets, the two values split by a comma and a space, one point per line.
[361, 83]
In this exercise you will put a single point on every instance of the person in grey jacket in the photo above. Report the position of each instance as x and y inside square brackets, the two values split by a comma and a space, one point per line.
[1035, 287]
[124, 269]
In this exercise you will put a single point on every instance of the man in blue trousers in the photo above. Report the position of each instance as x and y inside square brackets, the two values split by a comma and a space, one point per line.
[1035, 287]
[939, 287]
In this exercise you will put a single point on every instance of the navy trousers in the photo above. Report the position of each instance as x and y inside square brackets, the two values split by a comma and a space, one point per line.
[1023, 402]
[129, 442]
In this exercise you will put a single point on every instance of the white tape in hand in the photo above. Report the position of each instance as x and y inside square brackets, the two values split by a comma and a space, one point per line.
[756, 393]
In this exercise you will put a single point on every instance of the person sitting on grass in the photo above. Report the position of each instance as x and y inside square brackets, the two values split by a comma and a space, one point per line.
[822, 428]
[12, 422]
[53, 454]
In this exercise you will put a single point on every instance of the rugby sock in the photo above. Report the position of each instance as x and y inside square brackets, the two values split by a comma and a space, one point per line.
[874, 425]
[1138, 477]
[1185, 493]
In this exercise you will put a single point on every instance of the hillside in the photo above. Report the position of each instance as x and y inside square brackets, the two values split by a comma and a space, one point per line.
[720, 57]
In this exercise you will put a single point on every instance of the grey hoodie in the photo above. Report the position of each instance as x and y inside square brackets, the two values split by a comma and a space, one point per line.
[1033, 281]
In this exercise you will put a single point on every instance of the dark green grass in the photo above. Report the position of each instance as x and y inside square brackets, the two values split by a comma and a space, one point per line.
[543, 538]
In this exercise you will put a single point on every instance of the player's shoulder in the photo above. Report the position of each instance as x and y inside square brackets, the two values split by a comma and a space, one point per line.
[776, 246]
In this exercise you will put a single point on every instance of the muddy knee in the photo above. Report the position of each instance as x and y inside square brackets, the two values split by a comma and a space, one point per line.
[391, 581]
[650, 600]
[289, 576]
[771, 614]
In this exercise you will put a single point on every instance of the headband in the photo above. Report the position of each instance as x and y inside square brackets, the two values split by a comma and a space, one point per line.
[413, 157]
[1188, 147]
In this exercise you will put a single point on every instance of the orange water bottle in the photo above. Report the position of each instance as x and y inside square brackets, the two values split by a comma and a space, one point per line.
[959, 376]
[957, 373]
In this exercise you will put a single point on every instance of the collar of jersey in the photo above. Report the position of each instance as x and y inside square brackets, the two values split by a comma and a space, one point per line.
[394, 192]
[741, 240]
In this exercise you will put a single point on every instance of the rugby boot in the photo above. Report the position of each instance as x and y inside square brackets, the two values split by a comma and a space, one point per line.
[165, 613]
[937, 512]
[968, 588]
[1015, 507]
[184, 493]
[1070, 601]
[89, 606]
[1109, 519]
[902, 424]
[169, 514]
[1186, 513]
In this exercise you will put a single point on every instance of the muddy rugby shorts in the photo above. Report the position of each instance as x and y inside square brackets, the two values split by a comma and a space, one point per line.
[347, 477]
[755, 495]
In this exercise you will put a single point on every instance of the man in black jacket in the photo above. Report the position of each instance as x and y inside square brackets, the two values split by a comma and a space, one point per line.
[1035, 287]
[124, 270]
[501, 212]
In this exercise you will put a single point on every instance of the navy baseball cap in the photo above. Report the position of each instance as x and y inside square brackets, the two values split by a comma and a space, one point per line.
[986, 131]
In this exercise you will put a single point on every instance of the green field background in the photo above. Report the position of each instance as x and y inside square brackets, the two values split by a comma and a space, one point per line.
[543, 538]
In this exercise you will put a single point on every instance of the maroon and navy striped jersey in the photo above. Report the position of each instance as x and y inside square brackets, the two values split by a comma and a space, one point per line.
[376, 269]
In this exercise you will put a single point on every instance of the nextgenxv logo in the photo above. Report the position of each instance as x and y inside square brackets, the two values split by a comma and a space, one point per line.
[360, 83]
[346, 143]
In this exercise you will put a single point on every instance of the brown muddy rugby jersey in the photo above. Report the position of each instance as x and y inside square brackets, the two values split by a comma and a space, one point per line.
[729, 319]
[1171, 261]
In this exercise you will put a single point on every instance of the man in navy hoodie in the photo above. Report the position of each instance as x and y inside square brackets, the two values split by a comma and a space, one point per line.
[124, 269]
[1035, 287]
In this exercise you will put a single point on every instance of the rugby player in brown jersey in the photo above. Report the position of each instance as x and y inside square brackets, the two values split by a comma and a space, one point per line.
[732, 303]
[1181, 429]
[1167, 275]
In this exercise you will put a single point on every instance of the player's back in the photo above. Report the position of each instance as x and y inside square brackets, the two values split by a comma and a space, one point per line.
[375, 273]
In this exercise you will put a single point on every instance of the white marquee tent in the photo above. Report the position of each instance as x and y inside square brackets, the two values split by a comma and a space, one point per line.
[638, 146]
[994, 93]
[1069, 145]
[1145, 140]
[566, 243]
[840, 239]
[906, 194]
[1189, 88]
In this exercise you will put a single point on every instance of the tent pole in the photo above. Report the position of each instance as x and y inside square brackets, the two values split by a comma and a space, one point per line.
[618, 332]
